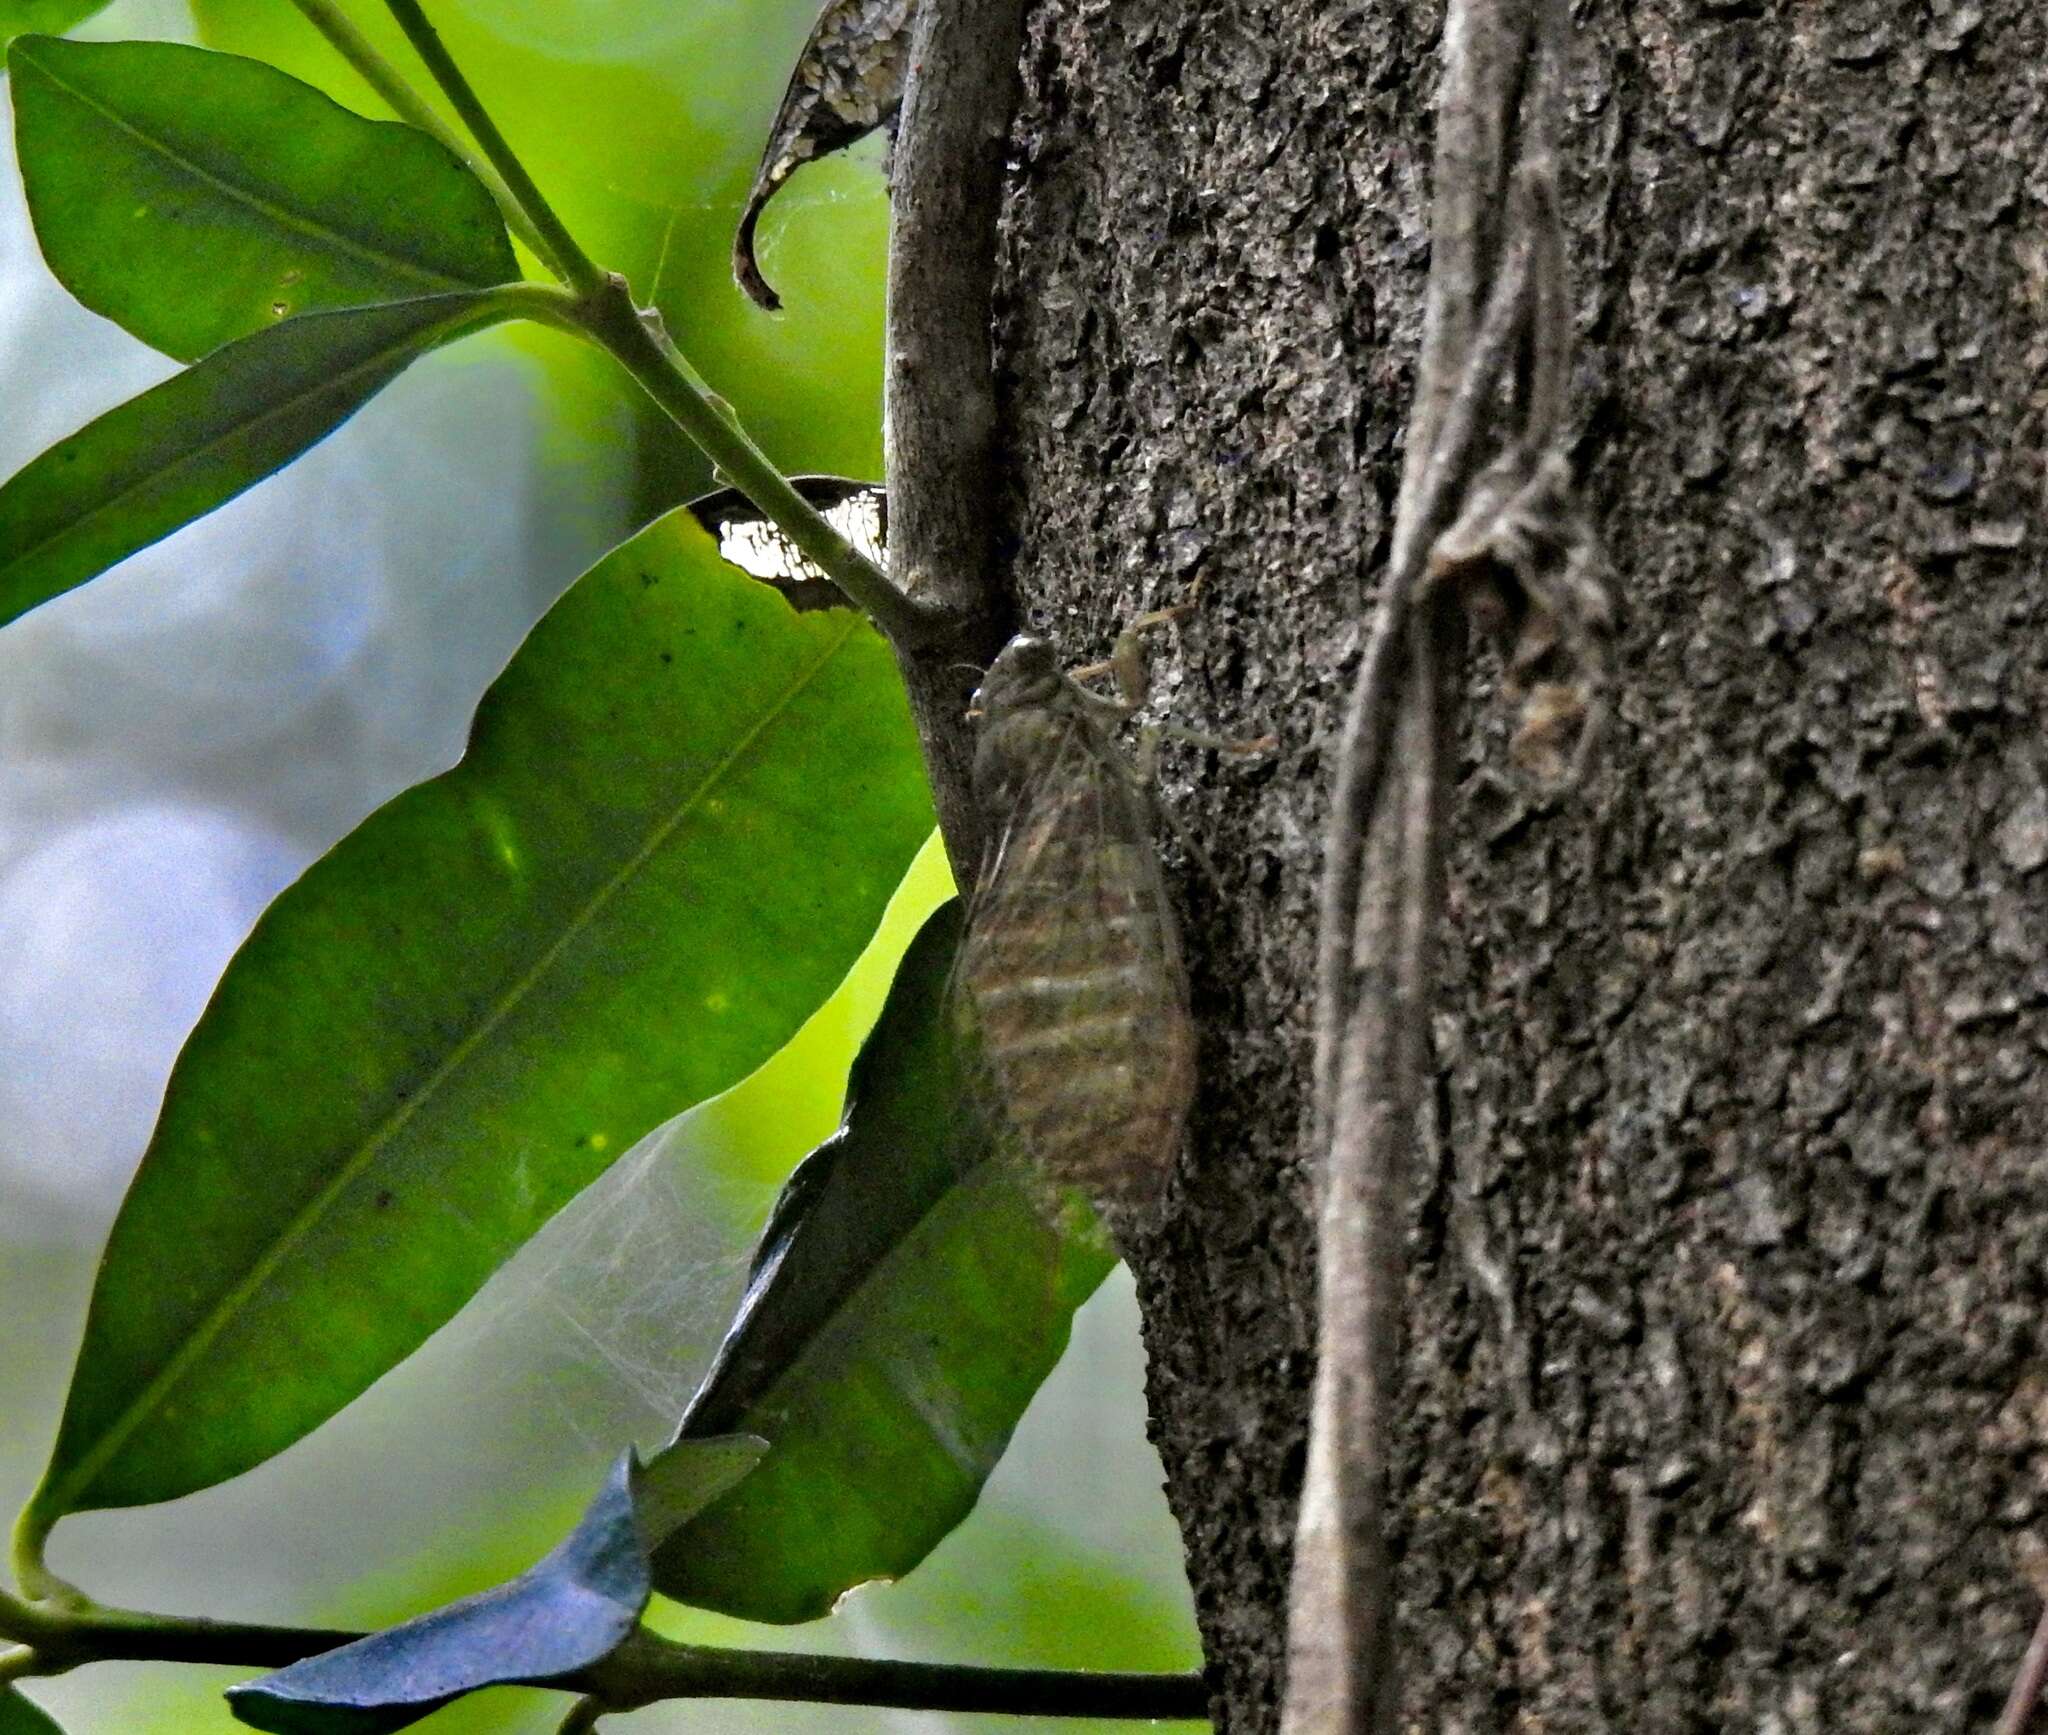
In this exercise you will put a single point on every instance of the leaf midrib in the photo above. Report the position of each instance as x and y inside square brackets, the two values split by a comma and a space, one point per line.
[327, 385]
[338, 240]
[61, 1495]
[876, 1268]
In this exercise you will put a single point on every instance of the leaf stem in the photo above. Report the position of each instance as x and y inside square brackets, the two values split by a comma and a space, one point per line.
[404, 101]
[38, 1583]
[643, 1671]
[558, 246]
[647, 1669]
[68, 1637]
[603, 310]
[637, 340]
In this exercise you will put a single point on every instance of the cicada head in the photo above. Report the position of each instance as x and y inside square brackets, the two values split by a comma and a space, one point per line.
[1018, 703]
[1025, 672]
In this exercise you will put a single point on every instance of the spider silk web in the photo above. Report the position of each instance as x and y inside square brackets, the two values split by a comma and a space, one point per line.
[598, 1330]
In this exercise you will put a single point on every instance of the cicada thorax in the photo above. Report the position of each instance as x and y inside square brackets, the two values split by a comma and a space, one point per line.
[1071, 967]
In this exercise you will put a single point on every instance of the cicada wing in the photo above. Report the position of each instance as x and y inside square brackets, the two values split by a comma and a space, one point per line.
[1070, 974]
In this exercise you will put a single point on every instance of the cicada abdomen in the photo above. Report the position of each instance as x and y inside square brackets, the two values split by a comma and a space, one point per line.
[1071, 966]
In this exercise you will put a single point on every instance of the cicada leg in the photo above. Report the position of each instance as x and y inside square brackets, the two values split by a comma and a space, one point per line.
[1126, 661]
[1127, 658]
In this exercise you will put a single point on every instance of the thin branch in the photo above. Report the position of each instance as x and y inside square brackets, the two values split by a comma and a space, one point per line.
[1373, 716]
[603, 310]
[404, 101]
[941, 408]
[1485, 47]
[94, 1634]
[558, 247]
[642, 347]
[17, 1663]
[1341, 1673]
[648, 1669]
[2025, 1698]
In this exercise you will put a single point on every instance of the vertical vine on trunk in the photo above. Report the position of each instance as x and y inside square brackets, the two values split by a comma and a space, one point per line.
[1486, 530]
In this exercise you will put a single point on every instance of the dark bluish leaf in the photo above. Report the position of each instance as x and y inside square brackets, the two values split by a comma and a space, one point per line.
[570, 1611]
[910, 1293]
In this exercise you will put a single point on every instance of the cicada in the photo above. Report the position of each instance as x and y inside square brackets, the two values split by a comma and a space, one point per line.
[1070, 972]
[1069, 993]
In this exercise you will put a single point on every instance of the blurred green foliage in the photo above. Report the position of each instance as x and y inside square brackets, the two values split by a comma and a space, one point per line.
[643, 120]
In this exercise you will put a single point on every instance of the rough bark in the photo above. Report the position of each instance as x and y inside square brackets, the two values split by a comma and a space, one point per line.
[1726, 1403]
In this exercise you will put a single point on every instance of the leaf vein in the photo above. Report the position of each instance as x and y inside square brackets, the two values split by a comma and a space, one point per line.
[338, 240]
[89, 1466]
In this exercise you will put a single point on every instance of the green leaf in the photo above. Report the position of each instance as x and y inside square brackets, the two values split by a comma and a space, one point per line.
[910, 1294]
[196, 441]
[19, 1717]
[685, 1476]
[571, 1610]
[52, 17]
[194, 197]
[683, 809]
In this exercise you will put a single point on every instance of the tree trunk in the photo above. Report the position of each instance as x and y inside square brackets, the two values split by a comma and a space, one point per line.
[1726, 1403]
